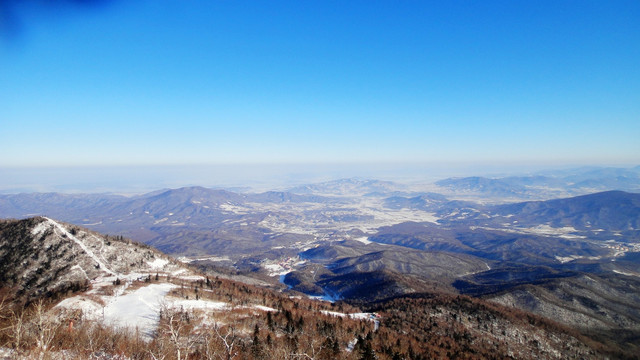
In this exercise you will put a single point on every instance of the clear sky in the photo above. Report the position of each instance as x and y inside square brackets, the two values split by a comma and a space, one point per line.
[240, 82]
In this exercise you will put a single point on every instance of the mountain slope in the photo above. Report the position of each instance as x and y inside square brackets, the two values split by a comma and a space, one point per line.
[606, 307]
[609, 210]
[457, 327]
[427, 264]
[43, 257]
[589, 301]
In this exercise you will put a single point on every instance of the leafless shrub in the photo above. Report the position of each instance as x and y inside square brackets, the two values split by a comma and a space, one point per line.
[176, 328]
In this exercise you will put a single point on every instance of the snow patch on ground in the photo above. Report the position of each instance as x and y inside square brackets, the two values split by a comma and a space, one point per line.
[566, 232]
[475, 272]
[565, 259]
[192, 278]
[626, 273]
[265, 308]
[364, 240]
[276, 269]
[197, 304]
[361, 316]
[91, 310]
[233, 209]
[190, 305]
[98, 223]
[358, 316]
[77, 267]
[326, 297]
[139, 309]
[157, 264]
[187, 260]
[7, 353]
[40, 228]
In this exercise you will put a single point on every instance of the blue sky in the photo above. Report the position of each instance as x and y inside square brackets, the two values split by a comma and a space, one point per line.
[246, 82]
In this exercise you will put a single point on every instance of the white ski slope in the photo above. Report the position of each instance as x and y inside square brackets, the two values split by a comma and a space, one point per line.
[138, 309]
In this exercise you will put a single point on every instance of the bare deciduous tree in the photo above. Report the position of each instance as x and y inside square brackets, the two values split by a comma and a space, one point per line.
[176, 328]
[226, 337]
[43, 326]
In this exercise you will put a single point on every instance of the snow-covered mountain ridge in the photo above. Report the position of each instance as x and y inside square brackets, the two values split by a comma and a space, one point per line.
[41, 256]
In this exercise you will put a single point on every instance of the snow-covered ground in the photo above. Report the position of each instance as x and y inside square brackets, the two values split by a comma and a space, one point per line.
[370, 214]
[282, 266]
[239, 210]
[158, 263]
[360, 316]
[626, 273]
[565, 259]
[364, 240]
[276, 269]
[328, 296]
[138, 309]
[566, 232]
[188, 260]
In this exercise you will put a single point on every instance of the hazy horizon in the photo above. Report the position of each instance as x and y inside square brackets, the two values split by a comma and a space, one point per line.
[130, 180]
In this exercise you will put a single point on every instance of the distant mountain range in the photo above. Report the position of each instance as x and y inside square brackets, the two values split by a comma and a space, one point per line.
[547, 185]
[610, 210]
[350, 187]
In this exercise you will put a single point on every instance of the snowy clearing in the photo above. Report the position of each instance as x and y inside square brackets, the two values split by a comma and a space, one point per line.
[358, 316]
[276, 269]
[188, 260]
[157, 263]
[364, 240]
[138, 309]
[565, 259]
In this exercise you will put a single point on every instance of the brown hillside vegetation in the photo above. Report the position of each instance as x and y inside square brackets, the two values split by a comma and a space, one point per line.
[460, 327]
[440, 327]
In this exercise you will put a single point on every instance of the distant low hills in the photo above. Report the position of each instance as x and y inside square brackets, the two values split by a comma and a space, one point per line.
[351, 187]
[610, 210]
[547, 185]
[350, 269]
[485, 186]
